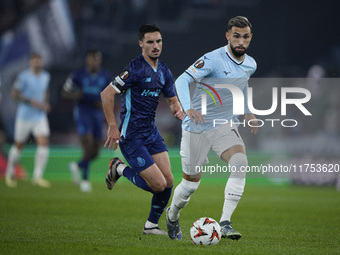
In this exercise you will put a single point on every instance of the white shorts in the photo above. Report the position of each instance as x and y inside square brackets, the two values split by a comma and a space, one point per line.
[196, 146]
[23, 129]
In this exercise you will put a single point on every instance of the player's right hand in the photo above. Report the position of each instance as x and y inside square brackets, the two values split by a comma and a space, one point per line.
[195, 116]
[113, 138]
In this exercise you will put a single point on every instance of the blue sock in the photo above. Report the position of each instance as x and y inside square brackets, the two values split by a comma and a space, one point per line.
[158, 204]
[84, 165]
[136, 179]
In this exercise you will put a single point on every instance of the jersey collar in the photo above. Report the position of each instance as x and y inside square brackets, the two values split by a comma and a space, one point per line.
[231, 56]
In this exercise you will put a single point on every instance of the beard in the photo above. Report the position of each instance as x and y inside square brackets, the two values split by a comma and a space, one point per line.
[238, 53]
[154, 58]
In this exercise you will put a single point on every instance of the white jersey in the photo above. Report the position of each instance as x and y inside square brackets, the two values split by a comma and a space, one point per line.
[216, 67]
[32, 87]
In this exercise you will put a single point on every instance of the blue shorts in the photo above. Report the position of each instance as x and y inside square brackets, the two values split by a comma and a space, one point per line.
[138, 152]
[89, 121]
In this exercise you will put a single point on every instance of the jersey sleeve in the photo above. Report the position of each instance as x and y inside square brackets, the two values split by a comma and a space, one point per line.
[245, 93]
[126, 78]
[183, 91]
[254, 66]
[169, 87]
[201, 68]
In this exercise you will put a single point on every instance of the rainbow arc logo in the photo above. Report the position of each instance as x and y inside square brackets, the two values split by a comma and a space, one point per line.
[209, 93]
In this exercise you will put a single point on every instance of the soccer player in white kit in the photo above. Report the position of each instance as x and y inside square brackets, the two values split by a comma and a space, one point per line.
[226, 65]
[31, 91]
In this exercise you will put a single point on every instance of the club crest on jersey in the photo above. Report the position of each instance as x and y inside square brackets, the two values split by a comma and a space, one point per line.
[124, 75]
[141, 161]
[199, 64]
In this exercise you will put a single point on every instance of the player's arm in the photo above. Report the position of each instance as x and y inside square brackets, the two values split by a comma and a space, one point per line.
[69, 90]
[175, 107]
[46, 104]
[18, 96]
[251, 119]
[183, 92]
[113, 134]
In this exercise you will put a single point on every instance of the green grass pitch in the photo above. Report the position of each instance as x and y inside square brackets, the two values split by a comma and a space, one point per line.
[62, 220]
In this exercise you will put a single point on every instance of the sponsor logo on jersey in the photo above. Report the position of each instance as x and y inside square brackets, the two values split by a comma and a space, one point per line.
[199, 64]
[247, 72]
[124, 75]
[151, 93]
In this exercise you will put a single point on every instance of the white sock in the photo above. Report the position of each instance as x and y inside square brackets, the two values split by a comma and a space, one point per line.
[232, 195]
[41, 157]
[149, 224]
[235, 186]
[120, 169]
[181, 197]
[13, 158]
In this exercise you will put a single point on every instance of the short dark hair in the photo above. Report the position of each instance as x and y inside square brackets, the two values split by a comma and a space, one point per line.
[239, 21]
[93, 52]
[35, 55]
[147, 28]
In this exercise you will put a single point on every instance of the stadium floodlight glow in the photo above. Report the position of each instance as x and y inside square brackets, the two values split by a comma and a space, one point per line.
[238, 100]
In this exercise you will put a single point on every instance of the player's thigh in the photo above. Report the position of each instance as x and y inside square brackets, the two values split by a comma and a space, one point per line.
[163, 162]
[42, 140]
[226, 141]
[22, 130]
[41, 128]
[227, 154]
[194, 150]
[136, 154]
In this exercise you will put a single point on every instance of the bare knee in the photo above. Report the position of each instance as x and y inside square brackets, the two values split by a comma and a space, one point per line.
[19, 146]
[169, 180]
[158, 186]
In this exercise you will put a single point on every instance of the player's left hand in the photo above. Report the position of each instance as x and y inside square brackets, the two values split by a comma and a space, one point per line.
[251, 119]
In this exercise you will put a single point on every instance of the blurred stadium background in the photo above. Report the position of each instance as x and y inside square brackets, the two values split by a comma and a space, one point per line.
[292, 40]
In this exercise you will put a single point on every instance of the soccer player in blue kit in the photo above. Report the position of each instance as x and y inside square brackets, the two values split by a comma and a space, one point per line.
[226, 65]
[140, 85]
[84, 86]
